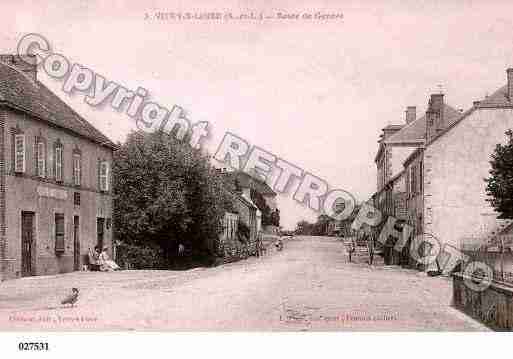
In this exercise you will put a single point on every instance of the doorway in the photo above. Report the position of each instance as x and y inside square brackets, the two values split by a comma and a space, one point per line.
[27, 243]
[76, 243]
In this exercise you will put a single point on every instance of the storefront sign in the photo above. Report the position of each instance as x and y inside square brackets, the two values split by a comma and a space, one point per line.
[52, 193]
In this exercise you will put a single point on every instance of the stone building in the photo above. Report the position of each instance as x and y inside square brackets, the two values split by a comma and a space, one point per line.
[446, 192]
[396, 144]
[391, 201]
[248, 185]
[232, 244]
[55, 187]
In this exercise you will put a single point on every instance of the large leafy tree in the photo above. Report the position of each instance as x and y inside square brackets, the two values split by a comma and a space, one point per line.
[500, 183]
[166, 192]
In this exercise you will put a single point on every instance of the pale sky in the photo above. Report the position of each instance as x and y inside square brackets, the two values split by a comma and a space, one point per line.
[315, 93]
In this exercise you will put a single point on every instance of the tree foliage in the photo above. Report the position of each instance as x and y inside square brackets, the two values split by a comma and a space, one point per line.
[166, 192]
[500, 183]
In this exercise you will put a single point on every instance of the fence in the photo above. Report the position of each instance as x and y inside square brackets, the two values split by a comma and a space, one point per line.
[498, 255]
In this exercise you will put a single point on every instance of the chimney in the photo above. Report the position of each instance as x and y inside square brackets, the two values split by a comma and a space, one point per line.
[411, 114]
[23, 63]
[509, 72]
[437, 101]
[435, 115]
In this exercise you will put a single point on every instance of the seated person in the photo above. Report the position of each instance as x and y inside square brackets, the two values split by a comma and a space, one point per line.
[106, 264]
[93, 260]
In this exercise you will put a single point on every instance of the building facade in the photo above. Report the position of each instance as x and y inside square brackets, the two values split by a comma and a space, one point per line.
[55, 189]
[233, 244]
[450, 201]
[397, 144]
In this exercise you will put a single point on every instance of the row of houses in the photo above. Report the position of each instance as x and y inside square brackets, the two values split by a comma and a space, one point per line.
[431, 170]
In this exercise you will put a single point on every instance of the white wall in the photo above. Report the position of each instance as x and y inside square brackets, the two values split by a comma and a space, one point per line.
[455, 167]
[399, 155]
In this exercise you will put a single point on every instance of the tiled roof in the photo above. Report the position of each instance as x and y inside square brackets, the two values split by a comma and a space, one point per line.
[393, 127]
[498, 99]
[247, 181]
[241, 198]
[415, 132]
[21, 92]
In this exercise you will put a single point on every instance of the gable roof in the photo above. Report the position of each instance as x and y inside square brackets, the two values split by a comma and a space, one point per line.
[241, 198]
[245, 180]
[20, 92]
[415, 132]
[498, 99]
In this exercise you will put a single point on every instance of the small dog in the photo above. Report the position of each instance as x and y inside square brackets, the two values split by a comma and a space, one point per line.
[72, 298]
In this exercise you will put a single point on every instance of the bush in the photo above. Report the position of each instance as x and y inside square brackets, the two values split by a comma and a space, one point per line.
[140, 257]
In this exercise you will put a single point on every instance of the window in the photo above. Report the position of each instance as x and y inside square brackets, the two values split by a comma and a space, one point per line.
[77, 163]
[104, 176]
[59, 232]
[76, 198]
[58, 163]
[40, 159]
[19, 153]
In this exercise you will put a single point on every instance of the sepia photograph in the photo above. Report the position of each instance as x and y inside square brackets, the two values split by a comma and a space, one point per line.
[296, 169]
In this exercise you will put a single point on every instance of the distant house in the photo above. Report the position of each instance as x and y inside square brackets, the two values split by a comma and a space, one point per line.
[446, 192]
[55, 178]
[240, 225]
[248, 185]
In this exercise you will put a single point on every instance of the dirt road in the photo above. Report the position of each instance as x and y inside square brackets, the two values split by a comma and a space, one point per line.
[306, 287]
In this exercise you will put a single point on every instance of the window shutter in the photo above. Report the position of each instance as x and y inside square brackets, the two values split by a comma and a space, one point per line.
[412, 181]
[58, 163]
[59, 232]
[19, 158]
[104, 176]
[51, 170]
[41, 165]
[76, 169]
[421, 176]
[98, 171]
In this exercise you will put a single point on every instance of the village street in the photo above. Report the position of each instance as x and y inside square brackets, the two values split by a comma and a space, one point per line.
[308, 286]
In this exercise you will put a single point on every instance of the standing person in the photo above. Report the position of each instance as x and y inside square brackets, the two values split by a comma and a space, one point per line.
[93, 260]
[370, 245]
[259, 244]
[352, 246]
[181, 249]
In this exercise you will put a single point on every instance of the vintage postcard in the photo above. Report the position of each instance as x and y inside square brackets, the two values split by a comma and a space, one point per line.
[256, 166]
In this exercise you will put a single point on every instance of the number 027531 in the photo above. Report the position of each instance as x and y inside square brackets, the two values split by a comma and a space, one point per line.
[34, 346]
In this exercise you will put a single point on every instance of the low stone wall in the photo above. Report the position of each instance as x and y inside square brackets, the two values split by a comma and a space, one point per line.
[492, 306]
[235, 250]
